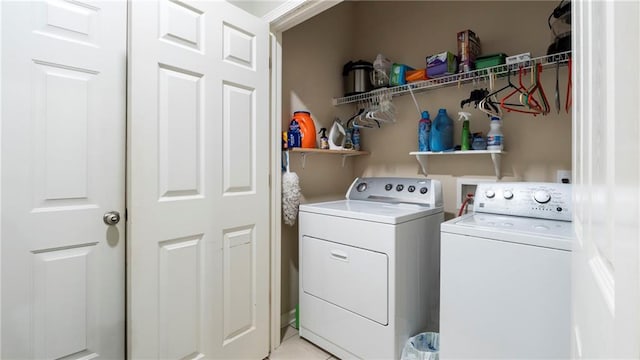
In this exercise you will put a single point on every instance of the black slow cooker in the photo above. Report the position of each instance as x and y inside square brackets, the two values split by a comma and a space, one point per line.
[357, 77]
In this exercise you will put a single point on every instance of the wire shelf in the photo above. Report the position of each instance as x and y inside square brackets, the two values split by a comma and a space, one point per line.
[460, 78]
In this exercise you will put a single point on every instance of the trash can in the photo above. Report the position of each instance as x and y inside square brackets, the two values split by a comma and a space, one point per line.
[424, 346]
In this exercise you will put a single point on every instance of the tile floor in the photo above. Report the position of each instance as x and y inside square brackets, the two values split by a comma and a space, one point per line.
[294, 347]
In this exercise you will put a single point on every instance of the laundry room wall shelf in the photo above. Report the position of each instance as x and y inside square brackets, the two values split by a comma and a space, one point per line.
[496, 157]
[344, 153]
[462, 78]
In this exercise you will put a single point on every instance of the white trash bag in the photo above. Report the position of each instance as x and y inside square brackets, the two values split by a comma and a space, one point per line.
[424, 346]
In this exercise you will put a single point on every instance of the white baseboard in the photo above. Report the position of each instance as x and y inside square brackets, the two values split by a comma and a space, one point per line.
[288, 318]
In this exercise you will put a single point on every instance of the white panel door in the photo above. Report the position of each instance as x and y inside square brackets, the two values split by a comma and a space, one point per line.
[606, 256]
[63, 152]
[198, 172]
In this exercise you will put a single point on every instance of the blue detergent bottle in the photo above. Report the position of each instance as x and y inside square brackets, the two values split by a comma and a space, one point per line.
[424, 132]
[355, 137]
[442, 132]
[294, 137]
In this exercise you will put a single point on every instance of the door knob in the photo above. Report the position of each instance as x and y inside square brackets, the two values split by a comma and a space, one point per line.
[111, 217]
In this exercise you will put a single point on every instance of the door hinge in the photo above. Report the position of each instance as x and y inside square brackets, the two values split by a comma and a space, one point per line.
[126, 214]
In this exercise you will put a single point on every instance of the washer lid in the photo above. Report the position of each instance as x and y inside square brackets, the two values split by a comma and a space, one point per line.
[388, 213]
[530, 231]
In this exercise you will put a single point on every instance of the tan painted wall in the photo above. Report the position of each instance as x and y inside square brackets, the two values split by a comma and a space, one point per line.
[406, 32]
[537, 146]
[313, 55]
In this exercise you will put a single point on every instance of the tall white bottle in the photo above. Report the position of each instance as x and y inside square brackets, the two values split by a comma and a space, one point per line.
[495, 139]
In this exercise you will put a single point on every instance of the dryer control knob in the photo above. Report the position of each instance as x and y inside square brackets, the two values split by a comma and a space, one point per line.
[423, 190]
[508, 194]
[411, 188]
[541, 196]
[388, 187]
[490, 194]
[361, 187]
[400, 187]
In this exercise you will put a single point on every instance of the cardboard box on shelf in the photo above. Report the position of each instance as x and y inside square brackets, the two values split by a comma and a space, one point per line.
[468, 50]
[441, 64]
[398, 73]
[416, 75]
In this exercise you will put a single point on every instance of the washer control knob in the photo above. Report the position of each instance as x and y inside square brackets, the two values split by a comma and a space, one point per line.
[411, 188]
[388, 187]
[400, 187]
[508, 194]
[541, 196]
[490, 194]
[423, 190]
[361, 187]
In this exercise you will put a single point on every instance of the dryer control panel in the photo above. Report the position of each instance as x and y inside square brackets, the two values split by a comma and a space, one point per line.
[537, 200]
[425, 192]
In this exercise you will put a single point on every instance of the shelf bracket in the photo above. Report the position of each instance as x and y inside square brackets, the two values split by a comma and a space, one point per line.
[496, 158]
[422, 160]
[303, 158]
[344, 157]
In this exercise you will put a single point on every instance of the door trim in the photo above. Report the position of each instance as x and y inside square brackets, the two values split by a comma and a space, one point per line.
[294, 12]
[1, 6]
[276, 187]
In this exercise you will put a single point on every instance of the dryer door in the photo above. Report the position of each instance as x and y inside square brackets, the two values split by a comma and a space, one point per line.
[349, 277]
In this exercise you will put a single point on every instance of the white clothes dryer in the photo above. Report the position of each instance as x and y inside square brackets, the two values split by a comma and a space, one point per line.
[369, 267]
[505, 286]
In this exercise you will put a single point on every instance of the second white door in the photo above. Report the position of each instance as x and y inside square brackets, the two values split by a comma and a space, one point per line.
[198, 169]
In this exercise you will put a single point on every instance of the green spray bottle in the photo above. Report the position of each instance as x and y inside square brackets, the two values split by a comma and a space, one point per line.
[465, 141]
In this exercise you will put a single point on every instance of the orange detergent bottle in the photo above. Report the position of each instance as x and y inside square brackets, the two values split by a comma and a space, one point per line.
[307, 128]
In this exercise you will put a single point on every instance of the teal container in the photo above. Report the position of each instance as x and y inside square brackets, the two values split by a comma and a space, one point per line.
[441, 138]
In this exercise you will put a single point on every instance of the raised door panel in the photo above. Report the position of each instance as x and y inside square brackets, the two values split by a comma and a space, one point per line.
[63, 300]
[62, 118]
[239, 283]
[180, 295]
[70, 21]
[181, 133]
[182, 24]
[239, 46]
[238, 149]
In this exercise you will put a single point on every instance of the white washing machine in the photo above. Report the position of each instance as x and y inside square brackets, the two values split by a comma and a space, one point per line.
[369, 267]
[505, 281]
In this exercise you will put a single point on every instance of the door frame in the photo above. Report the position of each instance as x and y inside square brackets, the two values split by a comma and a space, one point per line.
[280, 19]
[1, 6]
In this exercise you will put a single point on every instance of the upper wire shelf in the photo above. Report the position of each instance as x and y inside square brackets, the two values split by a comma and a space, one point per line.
[461, 78]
